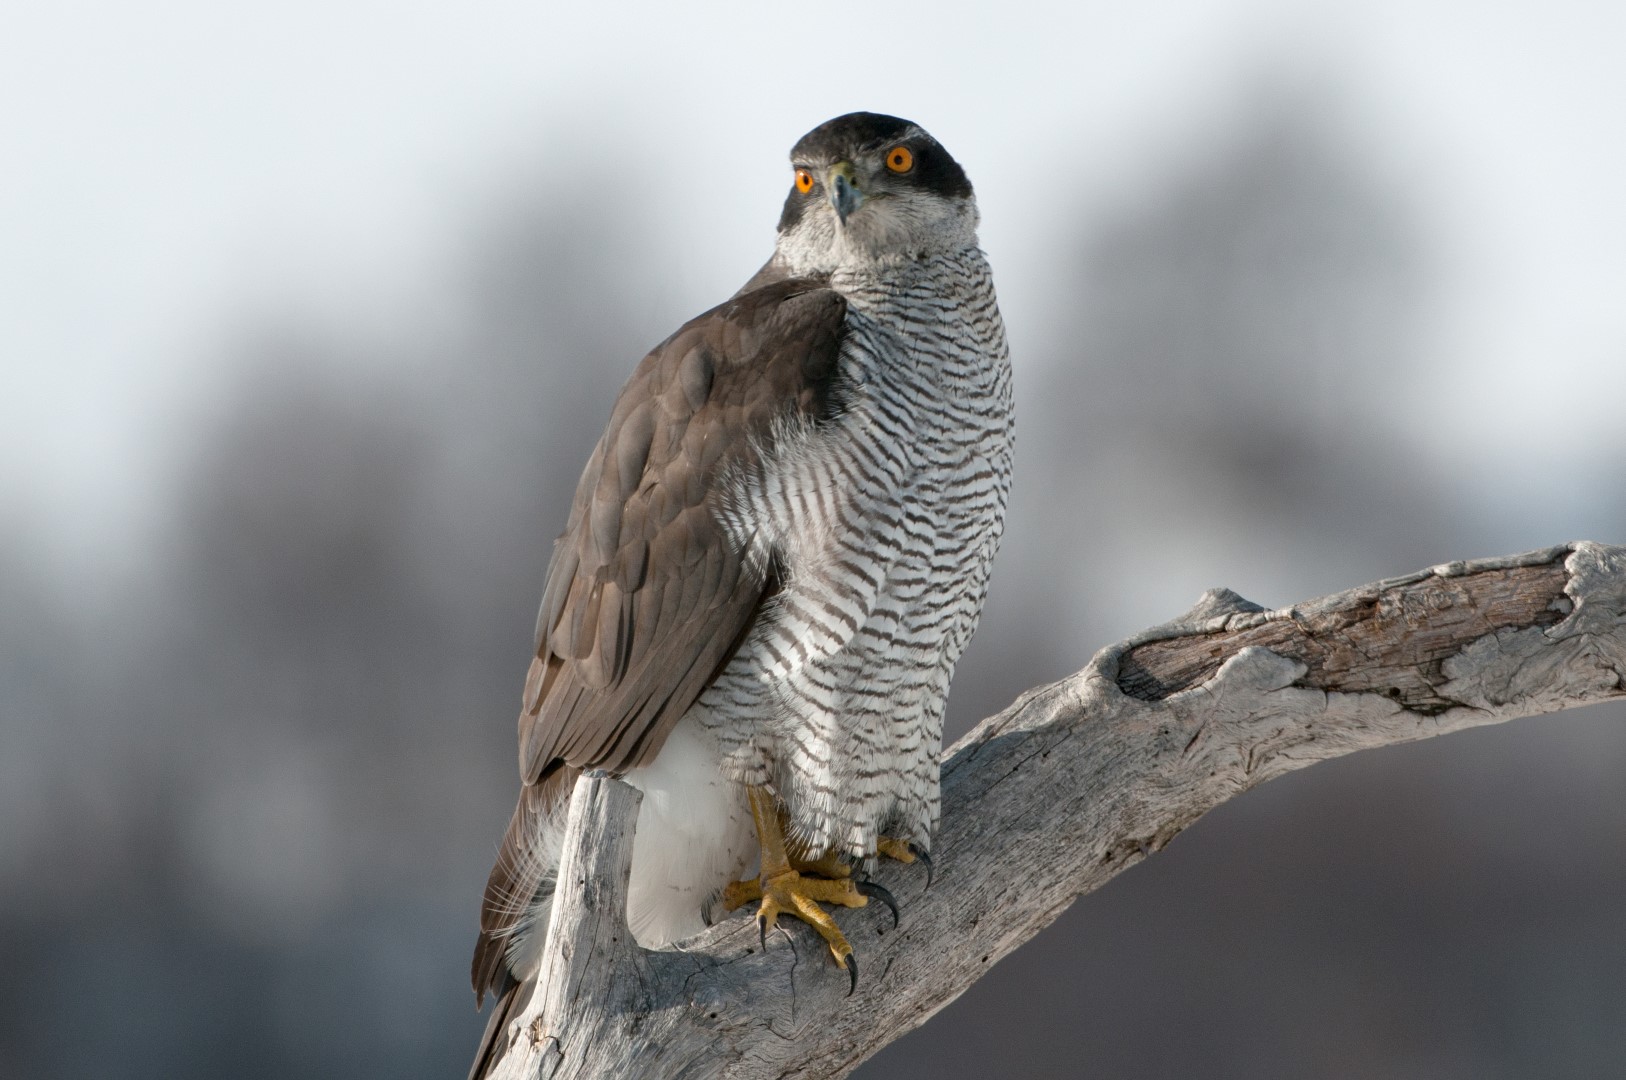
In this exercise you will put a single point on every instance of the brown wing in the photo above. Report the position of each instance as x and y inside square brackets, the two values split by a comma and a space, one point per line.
[646, 597]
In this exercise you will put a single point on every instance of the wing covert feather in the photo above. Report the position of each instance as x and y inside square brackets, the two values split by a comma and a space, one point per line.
[647, 596]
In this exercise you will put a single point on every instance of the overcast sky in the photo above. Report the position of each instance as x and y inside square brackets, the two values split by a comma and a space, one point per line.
[173, 172]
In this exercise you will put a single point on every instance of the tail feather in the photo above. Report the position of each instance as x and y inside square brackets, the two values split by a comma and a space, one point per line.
[494, 1044]
[514, 917]
[522, 880]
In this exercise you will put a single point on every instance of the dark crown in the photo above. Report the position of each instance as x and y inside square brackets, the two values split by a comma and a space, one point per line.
[850, 136]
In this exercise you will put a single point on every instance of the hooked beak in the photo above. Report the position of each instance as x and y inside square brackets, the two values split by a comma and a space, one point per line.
[842, 184]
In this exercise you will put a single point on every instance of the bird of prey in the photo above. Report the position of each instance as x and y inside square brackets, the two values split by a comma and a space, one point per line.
[776, 554]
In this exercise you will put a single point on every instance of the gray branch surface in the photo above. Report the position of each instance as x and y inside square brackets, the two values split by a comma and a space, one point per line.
[1069, 787]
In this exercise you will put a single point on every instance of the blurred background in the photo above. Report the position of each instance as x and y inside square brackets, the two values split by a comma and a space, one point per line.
[310, 312]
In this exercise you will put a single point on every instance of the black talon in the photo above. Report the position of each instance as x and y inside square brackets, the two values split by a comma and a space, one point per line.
[762, 931]
[920, 853]
[851, 964]
[869, 888]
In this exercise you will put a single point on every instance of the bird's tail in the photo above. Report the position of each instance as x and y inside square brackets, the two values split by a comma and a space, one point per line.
[511, 1001]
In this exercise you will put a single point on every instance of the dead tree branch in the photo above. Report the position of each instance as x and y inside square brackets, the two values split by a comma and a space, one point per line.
[1070, 786]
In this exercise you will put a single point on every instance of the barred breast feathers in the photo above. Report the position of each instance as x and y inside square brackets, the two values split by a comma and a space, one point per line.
[820, 502]
[924, 389]
[883, 518]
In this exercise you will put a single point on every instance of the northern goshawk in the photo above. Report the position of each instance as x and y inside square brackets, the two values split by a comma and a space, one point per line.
[776, 554]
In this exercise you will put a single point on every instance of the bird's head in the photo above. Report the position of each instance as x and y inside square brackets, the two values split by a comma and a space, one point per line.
[869, 189]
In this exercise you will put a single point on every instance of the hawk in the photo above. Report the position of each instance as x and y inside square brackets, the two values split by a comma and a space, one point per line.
[776, 554]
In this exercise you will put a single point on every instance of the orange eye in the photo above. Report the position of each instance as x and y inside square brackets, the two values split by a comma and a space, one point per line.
[804, 181]
[900, 159]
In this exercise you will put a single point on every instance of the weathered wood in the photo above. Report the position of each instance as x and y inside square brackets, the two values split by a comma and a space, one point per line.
[1056, 795]
[1388, 638]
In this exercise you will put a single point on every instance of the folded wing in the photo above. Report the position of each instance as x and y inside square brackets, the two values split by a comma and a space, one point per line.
[648, 595]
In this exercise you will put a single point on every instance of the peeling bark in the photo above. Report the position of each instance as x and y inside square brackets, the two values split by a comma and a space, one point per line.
[1084, 778]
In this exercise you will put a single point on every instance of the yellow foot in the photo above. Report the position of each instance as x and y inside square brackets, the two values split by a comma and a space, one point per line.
[795, 882]
[830, 866]
[789, 893]
[905, 852]
[893, 848]
[833, 866]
